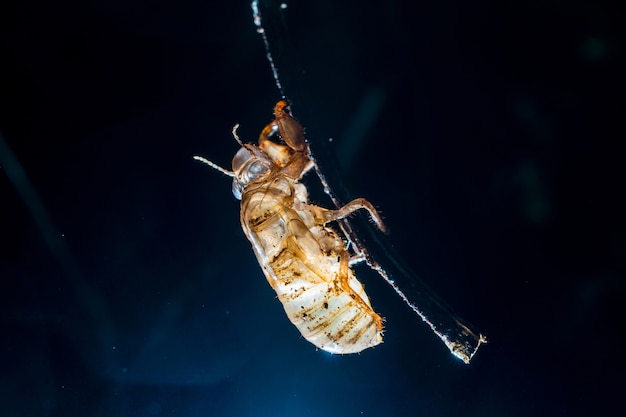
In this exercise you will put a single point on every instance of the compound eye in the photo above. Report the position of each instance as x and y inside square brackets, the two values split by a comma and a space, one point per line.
[242, 156]
[256, 170]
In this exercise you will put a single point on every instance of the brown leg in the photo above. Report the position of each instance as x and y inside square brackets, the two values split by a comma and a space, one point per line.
[280, 154]
[351, 207]
[290, 130]
[292, 158]
[345, 285]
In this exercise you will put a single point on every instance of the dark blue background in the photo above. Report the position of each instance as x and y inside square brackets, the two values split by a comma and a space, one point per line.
[488, 133]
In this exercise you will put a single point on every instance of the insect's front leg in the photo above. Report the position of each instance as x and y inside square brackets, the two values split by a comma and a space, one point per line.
[280, 154]
[292, 158]
[290, 130]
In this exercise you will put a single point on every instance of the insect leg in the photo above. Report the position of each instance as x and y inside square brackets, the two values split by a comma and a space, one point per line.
[351, 207]
[280, 154]
[309, 166]
[293, 157]
[357, 259]
[344, 277]
[290, 130]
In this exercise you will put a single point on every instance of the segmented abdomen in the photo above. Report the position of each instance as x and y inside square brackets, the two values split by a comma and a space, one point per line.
[330, 311]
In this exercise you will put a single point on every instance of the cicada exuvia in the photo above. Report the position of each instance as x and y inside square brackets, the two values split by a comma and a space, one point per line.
[305, 261]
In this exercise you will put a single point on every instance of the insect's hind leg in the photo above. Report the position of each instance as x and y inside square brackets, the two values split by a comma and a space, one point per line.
[351, 207]
[344, 282]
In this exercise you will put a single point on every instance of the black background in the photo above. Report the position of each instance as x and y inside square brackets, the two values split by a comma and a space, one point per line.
[487, 132]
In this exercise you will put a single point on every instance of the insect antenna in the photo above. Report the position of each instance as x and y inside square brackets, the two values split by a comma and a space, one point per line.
[214, 166]
[236, 136]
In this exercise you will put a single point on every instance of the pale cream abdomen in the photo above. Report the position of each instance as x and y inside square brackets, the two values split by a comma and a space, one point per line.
[330, 311]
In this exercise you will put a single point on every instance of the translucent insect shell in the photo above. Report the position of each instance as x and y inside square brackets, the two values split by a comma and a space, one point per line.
[304, 260]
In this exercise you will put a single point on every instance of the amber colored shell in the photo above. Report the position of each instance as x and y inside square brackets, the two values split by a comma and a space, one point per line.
[302, 262]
